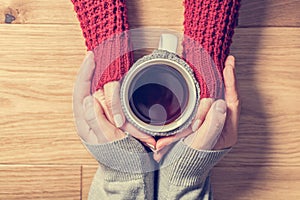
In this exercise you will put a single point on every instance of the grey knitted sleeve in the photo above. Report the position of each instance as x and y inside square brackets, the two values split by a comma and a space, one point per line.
[184, 173]
[125, 171]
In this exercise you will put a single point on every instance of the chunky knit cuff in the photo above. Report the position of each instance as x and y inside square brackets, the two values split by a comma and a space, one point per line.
[185, 166]
[208, 29]
[113, 58]
[124, 159]
[100, 21]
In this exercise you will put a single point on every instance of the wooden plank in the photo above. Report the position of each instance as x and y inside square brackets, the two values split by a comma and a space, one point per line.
[38, 11]
[267, 65]
[36, 87]
[246, 183]
[38, 68]
[269, 13]
[40, 182]
[239, 183]
[253, 13]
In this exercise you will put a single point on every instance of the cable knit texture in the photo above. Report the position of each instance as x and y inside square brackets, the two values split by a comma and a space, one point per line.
[208, 29]
[102, 22]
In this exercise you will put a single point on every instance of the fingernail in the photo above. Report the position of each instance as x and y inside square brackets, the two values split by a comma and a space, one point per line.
[118, 120]
[196, 125]
[88, 54]
[152, 147]
[221, 106]
[231, 61]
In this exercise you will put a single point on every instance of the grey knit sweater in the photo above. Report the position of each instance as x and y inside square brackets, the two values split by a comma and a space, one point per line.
[127, 171]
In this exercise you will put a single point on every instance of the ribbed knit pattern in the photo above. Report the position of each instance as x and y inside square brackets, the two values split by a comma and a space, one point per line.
[113, 58]
[126, 157]
[100, 20]
[209, 25]
[102, 188]
[185, 166]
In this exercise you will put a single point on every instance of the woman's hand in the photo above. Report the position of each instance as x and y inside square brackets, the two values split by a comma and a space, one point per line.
[214, 114]
[90, 119]
[229, 134]
[99, 118]
[109, 99]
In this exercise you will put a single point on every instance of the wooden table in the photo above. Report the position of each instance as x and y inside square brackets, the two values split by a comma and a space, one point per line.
[41, 156]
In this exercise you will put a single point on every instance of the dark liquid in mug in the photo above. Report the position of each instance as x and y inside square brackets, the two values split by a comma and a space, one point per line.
[158, 94]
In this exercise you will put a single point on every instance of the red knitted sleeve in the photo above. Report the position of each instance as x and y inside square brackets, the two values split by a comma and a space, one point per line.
[103, 23]
[208, 30]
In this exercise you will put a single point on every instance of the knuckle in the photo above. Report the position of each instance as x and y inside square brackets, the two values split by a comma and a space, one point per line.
[219, 124]
[109, 103]
[90, 116]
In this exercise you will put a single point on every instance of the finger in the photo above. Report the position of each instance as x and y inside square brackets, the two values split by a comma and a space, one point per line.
[83, 83]
[166, 141]
[230, 131]
[82, 128]
[232, 97]
[99, 95]
[85, 132]
[143, 137]
[231, 92]
[112, 97]
[158, 155]
[95, 118]
[90, 117]
[202, 110]
[110, 132]
[207, 135]
[91, 138]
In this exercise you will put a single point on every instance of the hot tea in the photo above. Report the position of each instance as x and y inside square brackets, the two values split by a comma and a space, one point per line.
[158, 95]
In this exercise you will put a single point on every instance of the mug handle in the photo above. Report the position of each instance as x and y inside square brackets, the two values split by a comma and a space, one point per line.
[168, 42]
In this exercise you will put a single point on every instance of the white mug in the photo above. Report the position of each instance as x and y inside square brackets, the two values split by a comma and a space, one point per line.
[159, 94]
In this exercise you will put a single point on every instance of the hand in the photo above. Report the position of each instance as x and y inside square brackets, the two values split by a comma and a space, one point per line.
[229, 134]
[109, 99]
[211, 134]
[98, 121]
[91, 123]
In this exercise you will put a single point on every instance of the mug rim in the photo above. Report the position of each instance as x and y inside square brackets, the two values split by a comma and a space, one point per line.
[172, 60]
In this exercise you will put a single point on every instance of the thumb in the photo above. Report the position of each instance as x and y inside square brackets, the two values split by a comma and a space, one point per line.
[207, 135]
[113, 102]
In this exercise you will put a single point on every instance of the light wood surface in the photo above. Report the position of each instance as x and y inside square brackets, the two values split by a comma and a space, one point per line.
[40, 182]
[41, 156]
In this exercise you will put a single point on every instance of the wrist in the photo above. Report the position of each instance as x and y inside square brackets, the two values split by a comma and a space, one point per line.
[186, 166]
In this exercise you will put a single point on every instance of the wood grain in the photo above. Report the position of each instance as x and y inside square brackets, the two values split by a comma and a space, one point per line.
[40, 182]
[152, 13]
[267, 183]
[38, 11]
[41, 156]
[269, 13]
[37, 96]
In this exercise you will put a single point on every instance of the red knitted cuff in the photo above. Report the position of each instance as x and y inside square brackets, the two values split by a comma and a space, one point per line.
[102, 20]
[113, 59]
[209, 25]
